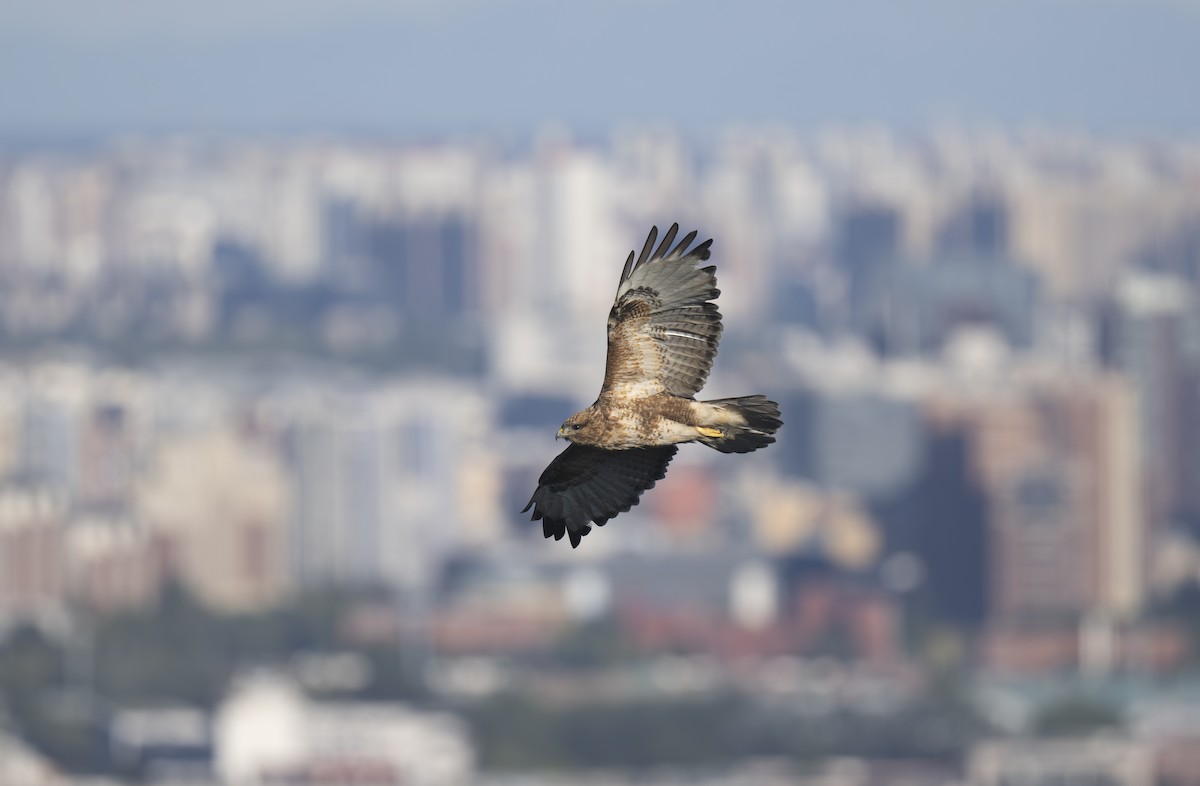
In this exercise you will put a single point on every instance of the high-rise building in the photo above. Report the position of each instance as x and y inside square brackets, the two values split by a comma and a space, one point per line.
[868, 246]
[1151, 333]
[977, 228]
[427, 265]
[33, 571]
[50, 440]
[114, 563]
[937, 531]
[854, 440]
[220, 505]
[924, 306]
[387, 482]
[1056, 460]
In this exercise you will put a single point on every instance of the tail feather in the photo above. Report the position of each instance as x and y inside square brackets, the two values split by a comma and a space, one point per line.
[753, 425]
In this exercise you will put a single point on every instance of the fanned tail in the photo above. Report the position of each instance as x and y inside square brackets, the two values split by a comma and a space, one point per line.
[747, 423]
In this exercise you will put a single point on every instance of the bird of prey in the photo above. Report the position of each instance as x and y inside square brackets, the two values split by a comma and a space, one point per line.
[663, 331]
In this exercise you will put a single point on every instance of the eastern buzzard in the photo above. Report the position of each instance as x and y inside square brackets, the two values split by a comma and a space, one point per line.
[663, 331]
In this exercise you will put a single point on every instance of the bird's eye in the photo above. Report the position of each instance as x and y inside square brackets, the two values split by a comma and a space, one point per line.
[576, 426]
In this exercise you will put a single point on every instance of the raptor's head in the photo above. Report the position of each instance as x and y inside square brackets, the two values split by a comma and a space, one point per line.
[582, 427]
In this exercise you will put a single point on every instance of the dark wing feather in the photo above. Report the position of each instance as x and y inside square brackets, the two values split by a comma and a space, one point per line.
[585, 485]
[663, 328]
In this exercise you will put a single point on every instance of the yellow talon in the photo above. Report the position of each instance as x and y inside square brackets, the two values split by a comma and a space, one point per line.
[705, 431]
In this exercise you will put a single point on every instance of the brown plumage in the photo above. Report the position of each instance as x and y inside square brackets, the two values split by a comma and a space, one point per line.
[663, 331]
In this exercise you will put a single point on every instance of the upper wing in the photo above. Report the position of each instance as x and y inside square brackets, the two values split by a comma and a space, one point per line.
[663, 329]
[585, 484]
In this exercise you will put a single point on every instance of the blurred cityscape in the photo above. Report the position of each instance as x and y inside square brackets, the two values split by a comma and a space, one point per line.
[269, 411]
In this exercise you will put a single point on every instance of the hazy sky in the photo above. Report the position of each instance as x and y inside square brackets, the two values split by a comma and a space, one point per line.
[71, 68]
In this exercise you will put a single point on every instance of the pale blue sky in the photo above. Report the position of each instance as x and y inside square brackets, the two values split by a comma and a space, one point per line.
[74, 68]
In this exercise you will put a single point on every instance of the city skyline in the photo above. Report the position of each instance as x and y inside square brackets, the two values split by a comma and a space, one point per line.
[489, 272]
[278, 406]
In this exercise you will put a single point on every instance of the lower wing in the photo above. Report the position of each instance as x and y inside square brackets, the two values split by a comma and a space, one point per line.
[586, 485]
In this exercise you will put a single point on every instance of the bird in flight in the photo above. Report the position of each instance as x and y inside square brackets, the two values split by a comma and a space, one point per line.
[663, 331]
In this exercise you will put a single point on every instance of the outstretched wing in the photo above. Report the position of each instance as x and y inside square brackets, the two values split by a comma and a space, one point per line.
[663, 330]
[585, 485]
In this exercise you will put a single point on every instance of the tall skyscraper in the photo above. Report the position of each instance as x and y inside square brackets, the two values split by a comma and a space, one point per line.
[1151, 333]
[382, 482]
[33, 570]
[219, 503]
[868, 243]
[1056, 460]
[978, 228]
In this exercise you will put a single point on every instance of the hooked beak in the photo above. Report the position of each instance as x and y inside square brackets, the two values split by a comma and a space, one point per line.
[560, 435]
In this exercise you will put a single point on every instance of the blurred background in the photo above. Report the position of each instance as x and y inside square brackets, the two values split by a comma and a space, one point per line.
[294, 295]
